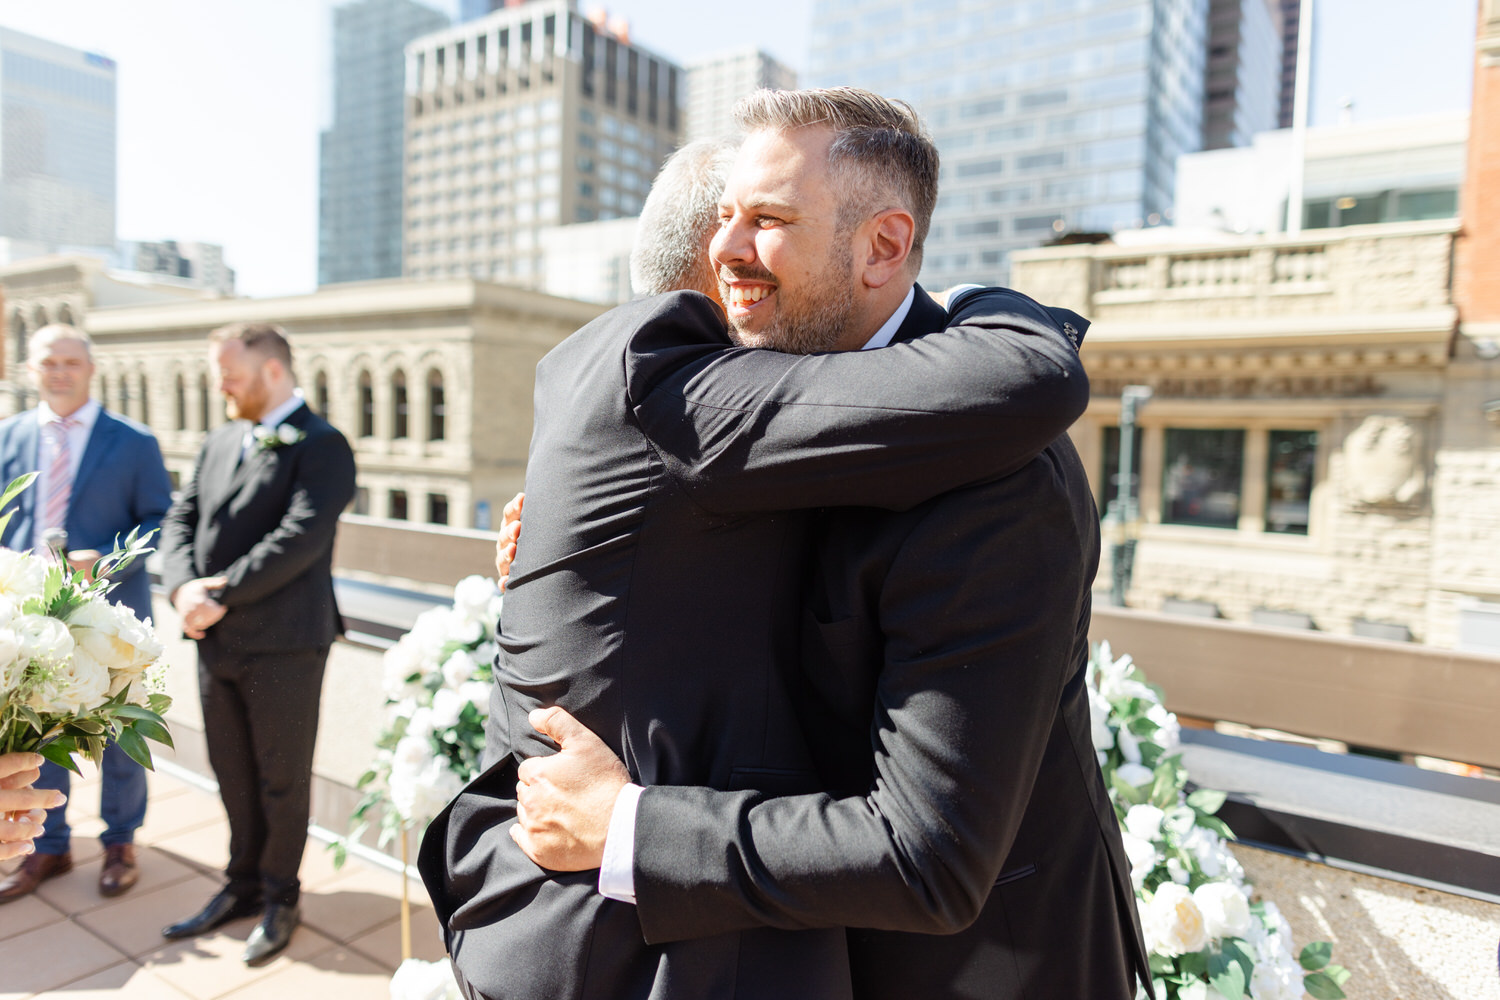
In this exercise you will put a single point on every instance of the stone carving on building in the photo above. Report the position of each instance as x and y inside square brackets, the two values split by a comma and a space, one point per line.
[1383, 462]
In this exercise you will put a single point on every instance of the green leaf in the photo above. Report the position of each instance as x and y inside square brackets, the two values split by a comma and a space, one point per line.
[29, 714]
[1194, 964]
[152, 730]
[1207, 800]
[135, 748]
[91, 726]
[1233, 949]
[159, 703]
[1162, 965]
[1322, 986]
[1217, 825]
[1226, 975]
[1127, 792]
[1315, 955]
[58, 754]
[1337, 973]
[137, 712]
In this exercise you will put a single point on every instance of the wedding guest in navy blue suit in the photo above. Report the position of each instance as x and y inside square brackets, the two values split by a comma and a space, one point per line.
[99, 476]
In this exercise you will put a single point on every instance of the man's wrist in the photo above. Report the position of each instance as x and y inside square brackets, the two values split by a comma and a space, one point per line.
[617, 872]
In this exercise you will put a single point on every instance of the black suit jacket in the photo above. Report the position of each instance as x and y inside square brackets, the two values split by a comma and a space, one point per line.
[266, 523]
[944, 651]
[656, 599]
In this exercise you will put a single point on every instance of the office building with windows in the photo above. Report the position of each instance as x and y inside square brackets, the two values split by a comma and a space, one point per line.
[530, 117]
[1291, 19]
[1243, 71]
[360, 173]
[715, 83]
[1049, 118]
[57, 148]
[198, 264]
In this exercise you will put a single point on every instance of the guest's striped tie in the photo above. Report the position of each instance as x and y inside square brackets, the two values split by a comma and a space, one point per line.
[59, 474]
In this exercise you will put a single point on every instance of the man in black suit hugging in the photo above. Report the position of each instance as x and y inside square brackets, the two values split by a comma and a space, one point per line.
[942, 698]
[668, 487]
[247, 552]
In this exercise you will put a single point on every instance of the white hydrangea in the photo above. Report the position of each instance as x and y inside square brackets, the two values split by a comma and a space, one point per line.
[458, 668]
[472, 597]
[447, 705]
[401, 661]
[1144, 821]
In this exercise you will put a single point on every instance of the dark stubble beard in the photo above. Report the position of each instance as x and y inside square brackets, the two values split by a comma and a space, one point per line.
[815, 320]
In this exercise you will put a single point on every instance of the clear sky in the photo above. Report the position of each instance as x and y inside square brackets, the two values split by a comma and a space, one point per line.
[221, 101]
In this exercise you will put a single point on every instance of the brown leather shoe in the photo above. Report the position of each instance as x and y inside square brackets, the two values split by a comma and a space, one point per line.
[34, 870]
[120, 871]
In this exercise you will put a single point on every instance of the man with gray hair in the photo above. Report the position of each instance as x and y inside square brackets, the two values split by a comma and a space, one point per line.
[680, 216]
[99, 476]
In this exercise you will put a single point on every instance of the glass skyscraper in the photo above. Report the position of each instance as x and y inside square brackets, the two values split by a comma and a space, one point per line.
[1053, 116]
[57, 148]
[360, 175]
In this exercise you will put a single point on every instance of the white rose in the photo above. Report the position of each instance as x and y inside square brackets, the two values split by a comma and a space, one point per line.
[11, 664]
[430, 630]
[112, 634]
[419, 725]
[446, 707]
[464, 630]
[22, 575]
[472, 595]
[1172, 922]
[287, 434]
[1130, 746]
[1169, 732]
[1144, 821]
[418, 980]
[1226, 911]
[42, 638]
[1178, 872]
[484, 655]
[1135, 775]
[1104, 736]
[400, 662]
[9, 608]
[458, 668]
[71, 686]
[1142, 855]
[477, 693]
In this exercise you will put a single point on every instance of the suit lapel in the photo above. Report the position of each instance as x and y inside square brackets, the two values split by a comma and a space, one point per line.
[28, 458]
[255, 458]
[100, 445]
[218, 472]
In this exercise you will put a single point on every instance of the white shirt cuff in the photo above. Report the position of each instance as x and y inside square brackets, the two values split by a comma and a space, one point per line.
[617, 873]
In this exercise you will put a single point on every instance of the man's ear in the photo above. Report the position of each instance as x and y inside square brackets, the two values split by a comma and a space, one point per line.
[890, 234]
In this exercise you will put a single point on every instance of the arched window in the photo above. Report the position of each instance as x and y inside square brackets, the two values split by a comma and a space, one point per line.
[124, 401]
[437, 407]
[104, 391]
[19, 328]
[366, 406]
[65, 314]
[144, 412]
[205, 413]
[320, 394]
[399, 409]
[180, 399]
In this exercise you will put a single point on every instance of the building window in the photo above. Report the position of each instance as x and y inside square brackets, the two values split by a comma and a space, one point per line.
[437, 407]
[204, 412]
[366, 406]
[143, 413]
[179, 396]
[1110, 476]
[437, 508]
[1202, 477]
[320, 394]
[398, 505]
[361, 500]
[398, 405]
[1292, 456]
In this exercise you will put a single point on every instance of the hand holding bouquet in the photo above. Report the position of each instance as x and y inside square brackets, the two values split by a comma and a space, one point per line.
[73, 667]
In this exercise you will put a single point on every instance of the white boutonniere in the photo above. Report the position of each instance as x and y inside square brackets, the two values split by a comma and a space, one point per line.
[269, 438]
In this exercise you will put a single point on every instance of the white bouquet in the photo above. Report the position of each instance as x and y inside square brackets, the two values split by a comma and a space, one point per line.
[1208, 940]
[437, 687]
[73, 667]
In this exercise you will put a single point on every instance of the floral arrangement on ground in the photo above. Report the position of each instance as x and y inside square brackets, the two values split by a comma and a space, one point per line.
[1209, 938]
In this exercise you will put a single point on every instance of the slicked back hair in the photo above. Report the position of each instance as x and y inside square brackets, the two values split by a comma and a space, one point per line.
[881, 156]
[265, 339]
[678, 219]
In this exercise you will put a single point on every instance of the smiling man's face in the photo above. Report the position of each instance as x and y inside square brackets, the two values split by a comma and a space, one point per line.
[785, 269]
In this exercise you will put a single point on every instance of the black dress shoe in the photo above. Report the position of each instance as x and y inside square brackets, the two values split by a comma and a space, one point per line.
[224, 907]
[272, 934]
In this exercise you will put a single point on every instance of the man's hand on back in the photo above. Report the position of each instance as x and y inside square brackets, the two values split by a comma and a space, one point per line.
[510, 533]
[198, 609]
[564, 802]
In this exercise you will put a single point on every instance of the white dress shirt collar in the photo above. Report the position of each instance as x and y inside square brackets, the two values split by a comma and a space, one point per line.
[883, 336]
[277, 417]
[85, 415]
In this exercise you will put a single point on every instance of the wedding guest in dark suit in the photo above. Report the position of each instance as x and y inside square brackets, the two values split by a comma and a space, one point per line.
[247, 552]
[658, 603]
[99, 476]
[942, 698]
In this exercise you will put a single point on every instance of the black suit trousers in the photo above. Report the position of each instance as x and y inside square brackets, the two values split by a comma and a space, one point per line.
[260, 718]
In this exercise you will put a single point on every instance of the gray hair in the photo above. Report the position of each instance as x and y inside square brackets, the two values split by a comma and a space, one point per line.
[881, 156]
[679, 218]
[48, 335]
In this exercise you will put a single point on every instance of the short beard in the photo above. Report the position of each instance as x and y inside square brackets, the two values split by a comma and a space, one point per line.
[818, 328]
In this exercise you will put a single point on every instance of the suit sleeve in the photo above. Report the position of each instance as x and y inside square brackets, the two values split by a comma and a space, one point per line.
[749, 430]
[178, 527]
[321, 489]
[976, 652]
[152, 496]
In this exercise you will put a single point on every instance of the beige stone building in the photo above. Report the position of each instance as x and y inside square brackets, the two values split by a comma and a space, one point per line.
[1322, 446]
[430, 381]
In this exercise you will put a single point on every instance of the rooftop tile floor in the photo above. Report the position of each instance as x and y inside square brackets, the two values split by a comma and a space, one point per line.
[66, 942]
